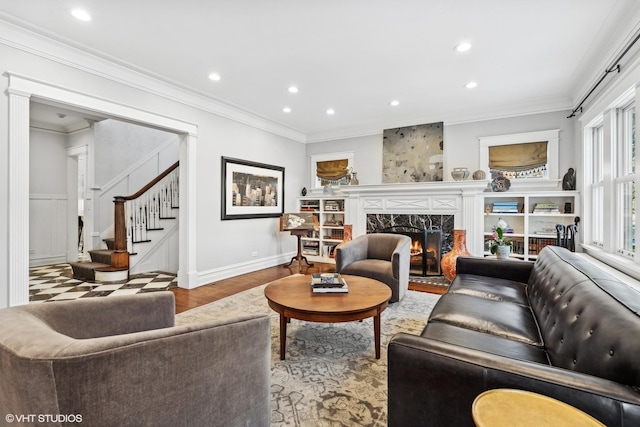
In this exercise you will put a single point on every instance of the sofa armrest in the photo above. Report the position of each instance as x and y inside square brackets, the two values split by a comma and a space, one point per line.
[500, 269]
[99, 317]
[434, 383]
[351, 251]
[401, 260]
[196, 374]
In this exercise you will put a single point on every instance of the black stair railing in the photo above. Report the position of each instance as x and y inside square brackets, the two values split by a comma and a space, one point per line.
[141, 212]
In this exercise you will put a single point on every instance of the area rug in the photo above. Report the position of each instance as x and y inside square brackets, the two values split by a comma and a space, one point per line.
[330, 376]
[430, 280]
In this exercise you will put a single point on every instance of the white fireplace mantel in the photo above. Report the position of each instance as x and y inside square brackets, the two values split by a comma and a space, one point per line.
[462, 199]
[415, 188]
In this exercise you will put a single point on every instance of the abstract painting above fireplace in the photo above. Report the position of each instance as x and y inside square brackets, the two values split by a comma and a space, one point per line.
[413, 153]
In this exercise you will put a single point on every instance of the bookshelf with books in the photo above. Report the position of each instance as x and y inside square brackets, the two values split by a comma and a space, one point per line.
[331, 217]
[528, 219]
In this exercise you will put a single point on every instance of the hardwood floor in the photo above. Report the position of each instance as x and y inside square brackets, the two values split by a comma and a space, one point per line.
[188, 299]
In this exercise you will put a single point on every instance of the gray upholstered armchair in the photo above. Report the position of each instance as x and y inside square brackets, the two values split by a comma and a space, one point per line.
[121, 361]
[381, 256]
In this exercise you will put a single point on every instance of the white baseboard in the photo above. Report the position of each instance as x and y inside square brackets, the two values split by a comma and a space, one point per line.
[49, 260]
[216, 274]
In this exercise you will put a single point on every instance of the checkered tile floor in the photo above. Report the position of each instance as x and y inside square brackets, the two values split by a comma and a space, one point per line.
[56, 283]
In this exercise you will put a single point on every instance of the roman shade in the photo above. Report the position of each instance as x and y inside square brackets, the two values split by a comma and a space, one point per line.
[332, 170]
[518, 157]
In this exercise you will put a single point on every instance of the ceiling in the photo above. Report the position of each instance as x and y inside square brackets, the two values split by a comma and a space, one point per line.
[354, 56]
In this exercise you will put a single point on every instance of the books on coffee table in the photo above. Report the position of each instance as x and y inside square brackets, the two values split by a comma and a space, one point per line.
[322, 283]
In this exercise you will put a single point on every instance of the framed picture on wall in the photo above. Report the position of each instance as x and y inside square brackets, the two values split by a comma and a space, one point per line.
[251, 189]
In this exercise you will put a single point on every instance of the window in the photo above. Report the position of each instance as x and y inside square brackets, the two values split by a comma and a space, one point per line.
[328, 159]
[504, 154]
[624, 180]
[596, 184]
[611, 176]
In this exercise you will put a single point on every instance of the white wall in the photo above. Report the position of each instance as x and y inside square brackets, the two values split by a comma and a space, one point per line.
[127, 157]
[120, 145]
[461, 146]
[47, 197]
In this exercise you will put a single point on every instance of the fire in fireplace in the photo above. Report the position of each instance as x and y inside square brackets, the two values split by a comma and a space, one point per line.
[431, 231]
[426, 248]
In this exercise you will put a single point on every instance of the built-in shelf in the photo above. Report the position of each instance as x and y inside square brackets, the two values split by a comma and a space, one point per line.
[533, 226]
[320, 244]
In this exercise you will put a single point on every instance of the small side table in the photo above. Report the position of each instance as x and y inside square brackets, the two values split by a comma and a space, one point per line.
[299, 257]
[507, 407]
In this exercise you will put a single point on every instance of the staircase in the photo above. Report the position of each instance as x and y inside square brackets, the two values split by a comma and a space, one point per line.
[99, 269]
[135, 217]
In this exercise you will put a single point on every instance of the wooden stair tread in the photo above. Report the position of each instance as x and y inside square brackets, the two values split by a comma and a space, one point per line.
[102, 251]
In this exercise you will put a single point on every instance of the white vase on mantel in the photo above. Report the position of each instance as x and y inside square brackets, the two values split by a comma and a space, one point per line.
[503, 251]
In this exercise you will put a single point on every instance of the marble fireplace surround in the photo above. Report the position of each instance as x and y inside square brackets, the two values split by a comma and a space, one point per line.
[462, 199]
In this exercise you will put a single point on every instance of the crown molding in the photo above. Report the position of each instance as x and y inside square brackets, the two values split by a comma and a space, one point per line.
[29, 41]
[532, 107]
[602, 55]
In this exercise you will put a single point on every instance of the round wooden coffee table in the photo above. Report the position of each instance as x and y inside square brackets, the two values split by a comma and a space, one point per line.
[293, 298]
[507, 407]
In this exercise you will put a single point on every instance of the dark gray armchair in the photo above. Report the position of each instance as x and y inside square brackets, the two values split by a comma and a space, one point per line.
[121, 361]
[381, 256]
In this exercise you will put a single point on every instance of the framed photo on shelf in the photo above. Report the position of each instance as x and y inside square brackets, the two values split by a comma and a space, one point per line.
[251, 189]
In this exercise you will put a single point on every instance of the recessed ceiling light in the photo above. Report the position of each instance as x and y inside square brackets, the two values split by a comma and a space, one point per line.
[293, 89]
[394, 103]
[286, 110]
[471, 85]
[462, 47]
[331, 111]
[80, 14]
[214, 76]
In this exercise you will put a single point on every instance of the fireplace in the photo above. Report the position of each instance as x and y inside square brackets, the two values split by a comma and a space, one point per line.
[430, 236]
[426, 249]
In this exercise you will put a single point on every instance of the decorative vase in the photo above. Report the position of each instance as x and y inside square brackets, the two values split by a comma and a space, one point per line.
[503, 252]
[500, 184]
[460, 174]
[448, 262]
[479, 175]
[354, 179]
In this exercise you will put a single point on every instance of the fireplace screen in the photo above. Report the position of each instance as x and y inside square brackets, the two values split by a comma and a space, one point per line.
[426, 249]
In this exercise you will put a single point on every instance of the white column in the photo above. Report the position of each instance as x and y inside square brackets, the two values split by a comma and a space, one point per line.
[18, 198]
[187, 265]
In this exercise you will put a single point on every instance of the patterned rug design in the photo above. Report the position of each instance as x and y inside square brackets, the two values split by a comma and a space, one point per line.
[430, 280]
[330, 376]
[56, 283]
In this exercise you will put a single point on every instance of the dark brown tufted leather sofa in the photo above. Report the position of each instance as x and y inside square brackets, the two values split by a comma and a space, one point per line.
[561, 327]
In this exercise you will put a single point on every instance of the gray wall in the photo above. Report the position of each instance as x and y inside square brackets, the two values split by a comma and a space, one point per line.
[461, 146]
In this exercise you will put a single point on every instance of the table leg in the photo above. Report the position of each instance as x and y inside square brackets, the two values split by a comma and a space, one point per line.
[283, 335]
[299, 257]
[376, 333]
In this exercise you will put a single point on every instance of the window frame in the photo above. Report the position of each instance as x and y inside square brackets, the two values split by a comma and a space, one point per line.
[314, 181]
[623, 175]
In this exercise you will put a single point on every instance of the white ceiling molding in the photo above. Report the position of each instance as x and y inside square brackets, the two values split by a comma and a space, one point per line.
[600, 57]
[33, 43]
[453, 119]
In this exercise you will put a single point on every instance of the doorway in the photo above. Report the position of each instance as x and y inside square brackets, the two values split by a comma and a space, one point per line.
[21, 91]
